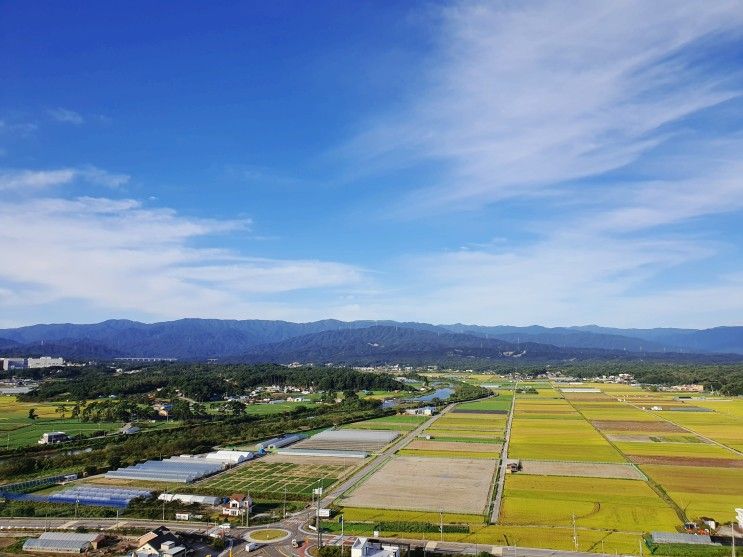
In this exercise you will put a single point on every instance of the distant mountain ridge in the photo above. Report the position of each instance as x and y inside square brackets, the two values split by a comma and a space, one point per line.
[221, 338]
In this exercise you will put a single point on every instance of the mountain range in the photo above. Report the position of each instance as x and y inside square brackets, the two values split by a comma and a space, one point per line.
[362, 341]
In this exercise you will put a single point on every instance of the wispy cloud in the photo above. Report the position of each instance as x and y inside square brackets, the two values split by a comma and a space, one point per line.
[522, 97]
[66, 116]
[545, 101]
[30, 180]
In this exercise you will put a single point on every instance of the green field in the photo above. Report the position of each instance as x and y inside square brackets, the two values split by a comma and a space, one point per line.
[501, 402]
[267, 480]
[18, 430]
[398, 422]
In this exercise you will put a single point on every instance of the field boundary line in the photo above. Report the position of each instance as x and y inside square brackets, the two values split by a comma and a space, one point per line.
[500, 471]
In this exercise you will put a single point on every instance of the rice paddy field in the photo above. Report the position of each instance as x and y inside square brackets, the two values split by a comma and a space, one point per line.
[614, 463]
[621, 468]
[689, 448]
[629, 505]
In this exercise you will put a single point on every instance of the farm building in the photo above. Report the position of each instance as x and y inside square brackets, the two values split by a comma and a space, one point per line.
[53, 437]
[673, 537]
[364, 547]
[190, 499]
[229, 457]
[322, 453]
[424, 411]
[367, 440]
[160, 542]
[129, 429]
[278, 442]
[580, 390]
[63, 542]
[176, 469]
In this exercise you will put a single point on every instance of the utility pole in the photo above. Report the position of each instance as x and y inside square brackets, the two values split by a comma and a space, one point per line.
[441, 523]
[342, 525]
[732, 533]
[284, 515]
[575, 534]
[640, 542]
[317, 523]
[77, 503]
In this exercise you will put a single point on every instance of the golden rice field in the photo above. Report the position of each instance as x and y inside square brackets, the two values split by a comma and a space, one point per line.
[558, 439]
[700, 491]
[596, 502]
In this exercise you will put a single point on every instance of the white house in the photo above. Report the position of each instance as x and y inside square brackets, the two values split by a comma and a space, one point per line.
[238, 505]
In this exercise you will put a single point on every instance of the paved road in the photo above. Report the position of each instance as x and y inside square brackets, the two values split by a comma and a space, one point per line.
[495, 515]
[283, 549]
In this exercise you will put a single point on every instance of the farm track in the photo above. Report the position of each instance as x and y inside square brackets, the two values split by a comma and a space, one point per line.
[497, 501]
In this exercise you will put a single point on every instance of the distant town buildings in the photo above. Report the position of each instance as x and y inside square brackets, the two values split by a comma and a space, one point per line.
[31, 363]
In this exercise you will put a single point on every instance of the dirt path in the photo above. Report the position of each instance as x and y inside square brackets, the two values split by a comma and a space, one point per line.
[495, 515]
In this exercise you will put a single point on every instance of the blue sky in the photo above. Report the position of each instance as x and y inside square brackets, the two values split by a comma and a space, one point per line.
[497, 163]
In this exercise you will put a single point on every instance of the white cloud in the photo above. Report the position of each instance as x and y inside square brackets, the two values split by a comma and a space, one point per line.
[124, 258]
[66, 116]
[30, 180]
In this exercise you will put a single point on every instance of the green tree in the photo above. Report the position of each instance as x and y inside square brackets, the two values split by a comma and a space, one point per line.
[32, 415]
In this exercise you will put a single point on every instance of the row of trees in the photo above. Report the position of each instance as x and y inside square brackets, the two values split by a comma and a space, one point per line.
[196, 437]
[202, 382]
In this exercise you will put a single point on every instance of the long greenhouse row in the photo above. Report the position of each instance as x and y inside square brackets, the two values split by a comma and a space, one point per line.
[175, 470]
[99, 496]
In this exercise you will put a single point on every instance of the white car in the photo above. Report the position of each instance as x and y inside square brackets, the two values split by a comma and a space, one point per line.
[252, 546]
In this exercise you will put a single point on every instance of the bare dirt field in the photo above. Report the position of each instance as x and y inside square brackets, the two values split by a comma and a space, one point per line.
[454, 446]
[644, 438]
[581, 469]
[632, 425]
[456, 485]
[688, 461]
[313, 460]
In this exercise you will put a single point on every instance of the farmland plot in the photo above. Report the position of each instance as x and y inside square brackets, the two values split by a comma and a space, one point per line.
[456, 485]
